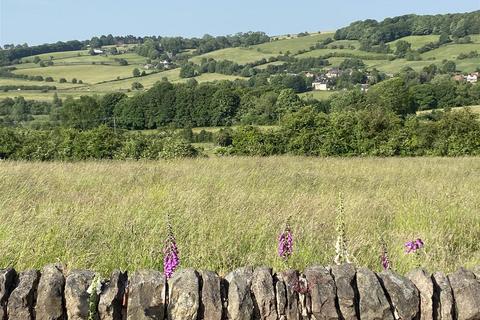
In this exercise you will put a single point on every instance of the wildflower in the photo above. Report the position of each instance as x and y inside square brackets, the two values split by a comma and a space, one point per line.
[95, 286]
[384, 258]
[341, 250]
[413, 246]
[285, 243]
[94, 290]
[171, 258]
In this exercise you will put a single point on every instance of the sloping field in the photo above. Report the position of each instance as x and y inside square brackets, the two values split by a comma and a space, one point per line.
[102, 76]
[42, 96]
[22, 82]
[354, 53]
[57, 55]
[238, 55]
[474, 109]
[451, 51]
[416, 41]
[87, 73]
[149, 80]
[228, 212]
[293, 45]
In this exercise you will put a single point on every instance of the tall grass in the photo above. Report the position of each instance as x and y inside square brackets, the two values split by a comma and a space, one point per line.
[228, 212]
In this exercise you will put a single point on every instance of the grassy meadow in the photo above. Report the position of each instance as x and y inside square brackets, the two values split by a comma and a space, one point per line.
[228, 212]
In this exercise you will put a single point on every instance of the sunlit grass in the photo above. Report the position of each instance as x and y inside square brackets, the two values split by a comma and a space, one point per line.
[227, 212]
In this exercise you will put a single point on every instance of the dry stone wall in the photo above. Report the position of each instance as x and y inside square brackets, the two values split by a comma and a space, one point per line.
[319, 293]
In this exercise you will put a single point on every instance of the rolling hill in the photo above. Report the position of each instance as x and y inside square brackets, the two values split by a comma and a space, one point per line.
[101, 74]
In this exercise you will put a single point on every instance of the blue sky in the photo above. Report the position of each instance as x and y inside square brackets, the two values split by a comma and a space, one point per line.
[41, 21]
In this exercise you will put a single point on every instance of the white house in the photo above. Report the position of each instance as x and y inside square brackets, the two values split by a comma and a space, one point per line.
[333, 73]
[472, 77]
[320, 86]
[97, 51]
[309, 74]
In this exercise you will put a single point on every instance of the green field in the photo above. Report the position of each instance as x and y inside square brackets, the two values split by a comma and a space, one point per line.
[42, 96]
[354, 53]
[22, 82]
[451, 51]
[87, 73]
[57, 55]
[292, 44]
[228, 212]
[416, 41]
[238, 55]
[319, 95]
[474, 109]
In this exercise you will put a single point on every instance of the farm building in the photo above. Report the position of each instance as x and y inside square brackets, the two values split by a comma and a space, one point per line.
[320, 86]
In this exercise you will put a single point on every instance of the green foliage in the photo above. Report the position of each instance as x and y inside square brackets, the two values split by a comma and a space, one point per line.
[188, 71]
[136, 72]
[402, 47]
[176, 148]
[392, 95]
[352, 63]
[372, 131]
[372, 33]
[137, 86]
[287, 101]
[249, 140]
[449, 66]
[9, 143]
[97, 143]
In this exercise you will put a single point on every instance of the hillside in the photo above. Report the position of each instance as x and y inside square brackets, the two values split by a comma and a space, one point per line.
[78, 72]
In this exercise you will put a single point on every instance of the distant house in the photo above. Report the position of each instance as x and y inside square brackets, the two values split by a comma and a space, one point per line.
[148, 66]
[320, 86]
[333, 73]
[472, 77]
[309, 74]
[458, 77]
[166, 64]
[364, 87]
[97, 51]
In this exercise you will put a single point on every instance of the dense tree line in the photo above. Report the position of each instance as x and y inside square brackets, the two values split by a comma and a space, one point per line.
[6, 88]
[372, 33]
[13, 111]
[371, 131]
[154, 47]
[260, 100]
[13, 55]
[98, 143]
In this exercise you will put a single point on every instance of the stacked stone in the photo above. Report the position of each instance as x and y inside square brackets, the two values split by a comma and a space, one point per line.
[327, 293]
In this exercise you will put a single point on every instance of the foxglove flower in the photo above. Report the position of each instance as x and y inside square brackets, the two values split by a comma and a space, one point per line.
[413, 246]
[171, 259]
[384, 258]
[285, 243]
[341, 249]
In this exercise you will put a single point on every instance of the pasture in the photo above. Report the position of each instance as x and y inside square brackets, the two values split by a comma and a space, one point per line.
[416, 41]
[293, 45]
[87, 73]
[238, 55]
[228, 212]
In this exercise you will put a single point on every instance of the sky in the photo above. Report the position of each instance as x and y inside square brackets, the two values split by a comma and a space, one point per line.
[47, 21]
